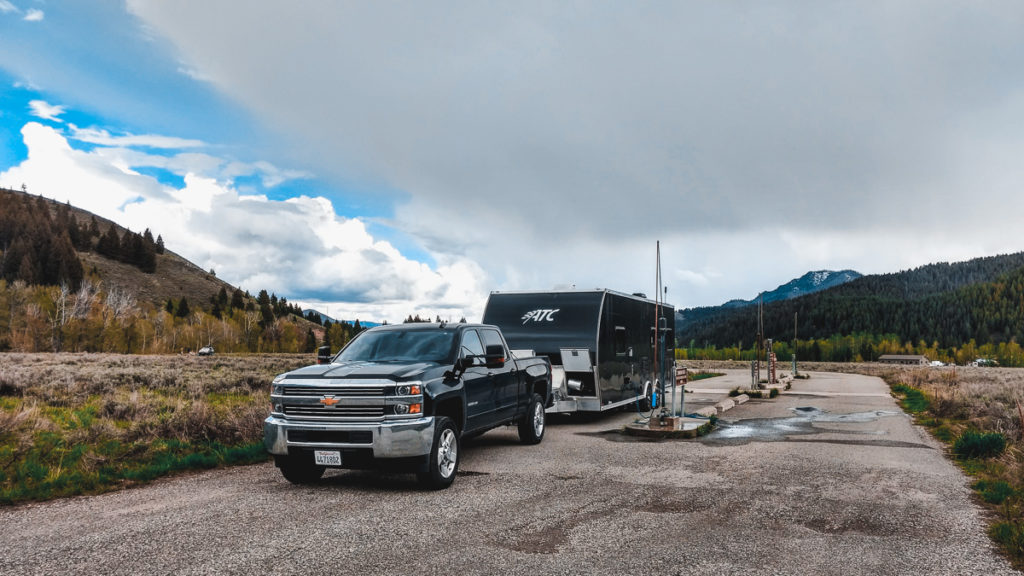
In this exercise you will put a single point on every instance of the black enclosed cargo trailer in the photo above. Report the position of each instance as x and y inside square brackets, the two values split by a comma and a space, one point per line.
[607, 348]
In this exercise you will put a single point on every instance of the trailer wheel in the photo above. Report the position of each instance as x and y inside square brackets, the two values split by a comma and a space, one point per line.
[531, 426]
[299, 471]
[444, 456]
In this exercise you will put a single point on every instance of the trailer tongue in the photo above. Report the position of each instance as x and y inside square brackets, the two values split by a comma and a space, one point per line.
[603, 345]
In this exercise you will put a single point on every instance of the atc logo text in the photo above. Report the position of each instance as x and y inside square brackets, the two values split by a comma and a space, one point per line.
[543, 315]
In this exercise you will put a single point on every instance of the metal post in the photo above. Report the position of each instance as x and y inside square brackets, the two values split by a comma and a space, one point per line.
[682, 398]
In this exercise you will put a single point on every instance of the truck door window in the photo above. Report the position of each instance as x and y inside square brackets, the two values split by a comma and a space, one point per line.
[492, 338]
[471, 344]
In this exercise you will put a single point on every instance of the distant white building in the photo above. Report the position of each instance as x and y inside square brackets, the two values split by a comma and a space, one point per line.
[907, 359]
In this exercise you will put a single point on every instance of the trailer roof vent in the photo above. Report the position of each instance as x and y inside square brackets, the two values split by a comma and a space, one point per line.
[639, 294]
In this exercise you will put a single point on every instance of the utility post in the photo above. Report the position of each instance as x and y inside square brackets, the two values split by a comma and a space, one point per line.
[796, 341]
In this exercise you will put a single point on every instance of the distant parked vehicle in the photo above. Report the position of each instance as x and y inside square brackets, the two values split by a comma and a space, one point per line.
[205, 351]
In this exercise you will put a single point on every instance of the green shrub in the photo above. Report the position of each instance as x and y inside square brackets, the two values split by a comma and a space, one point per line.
[1010, 535]
[994, 492]
[974, 444]
[944, 433]
[702, 375]
[914, 400]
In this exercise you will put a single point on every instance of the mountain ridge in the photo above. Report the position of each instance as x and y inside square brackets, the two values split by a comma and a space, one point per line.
[809, 283]
[946, 303]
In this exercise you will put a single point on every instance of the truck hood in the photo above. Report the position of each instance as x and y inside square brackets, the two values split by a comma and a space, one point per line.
[396, 371]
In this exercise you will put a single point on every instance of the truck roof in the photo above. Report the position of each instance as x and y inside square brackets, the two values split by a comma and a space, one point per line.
[429, 326]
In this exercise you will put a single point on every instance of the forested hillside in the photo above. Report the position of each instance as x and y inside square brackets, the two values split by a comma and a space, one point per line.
[942, 305]
[70, 281]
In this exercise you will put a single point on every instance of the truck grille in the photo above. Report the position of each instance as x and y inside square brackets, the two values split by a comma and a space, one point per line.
[333, 411]
[333, 391]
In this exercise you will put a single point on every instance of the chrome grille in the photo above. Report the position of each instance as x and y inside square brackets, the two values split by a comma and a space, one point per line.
[332, 391]
[318, 411]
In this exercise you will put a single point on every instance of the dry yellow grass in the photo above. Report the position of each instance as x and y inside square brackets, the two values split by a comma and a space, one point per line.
[72, 423]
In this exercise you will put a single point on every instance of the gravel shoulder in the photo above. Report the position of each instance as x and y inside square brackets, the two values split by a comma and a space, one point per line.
[829, 478]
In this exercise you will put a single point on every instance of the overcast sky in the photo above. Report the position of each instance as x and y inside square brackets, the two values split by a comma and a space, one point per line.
[386, 158]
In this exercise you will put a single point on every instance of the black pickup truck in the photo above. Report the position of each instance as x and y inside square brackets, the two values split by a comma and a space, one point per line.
[402, 397]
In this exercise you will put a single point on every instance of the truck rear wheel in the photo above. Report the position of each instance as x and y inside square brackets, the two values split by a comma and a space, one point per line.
[531, 427]
[444, 456]
[298, 471]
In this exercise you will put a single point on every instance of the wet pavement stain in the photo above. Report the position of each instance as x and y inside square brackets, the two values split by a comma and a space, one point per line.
[802, 423]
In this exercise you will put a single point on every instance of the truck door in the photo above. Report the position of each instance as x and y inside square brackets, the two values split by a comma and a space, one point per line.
[506, 380]
[478, 383]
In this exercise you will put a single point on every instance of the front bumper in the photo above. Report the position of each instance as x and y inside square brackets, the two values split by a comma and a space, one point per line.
[399, 439]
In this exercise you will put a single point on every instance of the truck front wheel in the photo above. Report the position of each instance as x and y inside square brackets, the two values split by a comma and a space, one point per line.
[444, 456]
[531, 427]
[299, 471]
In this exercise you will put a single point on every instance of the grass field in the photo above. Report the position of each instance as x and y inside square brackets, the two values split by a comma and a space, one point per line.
[84, 423]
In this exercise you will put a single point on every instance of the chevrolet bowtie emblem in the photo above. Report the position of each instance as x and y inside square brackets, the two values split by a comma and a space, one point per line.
[329, 400]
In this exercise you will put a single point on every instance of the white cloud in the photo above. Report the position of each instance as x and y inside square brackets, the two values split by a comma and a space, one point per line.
[557, 142]
[184, 163]
[104, 138]
[6, 7]
[34, 15]
[298, 248]
[193, 74]
[46, 111]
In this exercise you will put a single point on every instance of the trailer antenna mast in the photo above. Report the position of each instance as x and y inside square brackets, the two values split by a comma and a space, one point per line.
[659, 379]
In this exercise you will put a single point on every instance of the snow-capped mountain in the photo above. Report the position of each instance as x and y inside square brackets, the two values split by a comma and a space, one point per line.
[809, 283]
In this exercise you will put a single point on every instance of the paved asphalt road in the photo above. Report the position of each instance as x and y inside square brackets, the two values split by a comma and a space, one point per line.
[829, 479]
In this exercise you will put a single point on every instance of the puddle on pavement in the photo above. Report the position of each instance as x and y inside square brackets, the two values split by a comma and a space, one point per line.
[801, 423]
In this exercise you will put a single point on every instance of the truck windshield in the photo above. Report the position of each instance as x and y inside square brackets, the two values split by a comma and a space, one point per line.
[401, 346]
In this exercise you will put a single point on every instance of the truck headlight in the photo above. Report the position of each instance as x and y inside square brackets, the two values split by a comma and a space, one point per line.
[408, 390]
[403, 409]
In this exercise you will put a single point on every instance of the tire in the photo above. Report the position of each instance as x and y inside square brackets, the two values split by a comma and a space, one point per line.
[531, 426]
[644, 404]
[298, 471]
[443, 463]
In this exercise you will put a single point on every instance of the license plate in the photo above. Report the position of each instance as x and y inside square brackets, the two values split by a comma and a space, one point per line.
[327, 457]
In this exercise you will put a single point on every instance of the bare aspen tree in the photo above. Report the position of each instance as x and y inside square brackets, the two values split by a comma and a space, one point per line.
[121, 304]
[58, 317]
[87, 295]
[251, 319]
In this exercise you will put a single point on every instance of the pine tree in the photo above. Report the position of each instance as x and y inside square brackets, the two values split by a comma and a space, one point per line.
[237, 300]
[183, 310]
[109, 244]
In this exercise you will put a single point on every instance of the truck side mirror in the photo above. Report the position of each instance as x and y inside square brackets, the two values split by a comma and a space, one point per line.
[495, 355]
[323, 355]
